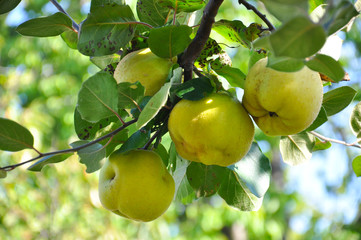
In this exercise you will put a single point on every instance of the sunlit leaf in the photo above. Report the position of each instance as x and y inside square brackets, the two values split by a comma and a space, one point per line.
[338, 99]
[355, 120]
[356, 166]
[298, 38]
[70, 38]
[53, 25]
[106, 30]
[151, 12]
[14, 137]
[183, 5]
[153, 106]
[103, 61]
[327, 66]
[286, 9]
[169, 41]
[8, 5]
[297, 149]
[321, 145]
[36, 167]
[98, 97]
[91, 155]
[255, 171]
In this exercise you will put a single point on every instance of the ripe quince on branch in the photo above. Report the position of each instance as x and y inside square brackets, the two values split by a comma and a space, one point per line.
[145, 67]
[215, 130]
[282, 103]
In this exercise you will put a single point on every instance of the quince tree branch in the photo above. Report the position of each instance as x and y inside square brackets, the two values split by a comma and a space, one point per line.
[327, 139]
[197, 44]
[259, 14]
[41, 155]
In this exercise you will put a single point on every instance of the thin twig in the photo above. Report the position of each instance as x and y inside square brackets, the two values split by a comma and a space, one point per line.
[146, 146]
[61, 9]
[197, 44]
[326, 139]
[41, 155]
[259, 14]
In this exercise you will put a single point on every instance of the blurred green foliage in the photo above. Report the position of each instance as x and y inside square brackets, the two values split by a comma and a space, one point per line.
[39, 82]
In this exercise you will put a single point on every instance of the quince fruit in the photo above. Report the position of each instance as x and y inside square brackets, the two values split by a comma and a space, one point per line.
[145, 67]
[282, 103]
[136, 185]
[215, 130]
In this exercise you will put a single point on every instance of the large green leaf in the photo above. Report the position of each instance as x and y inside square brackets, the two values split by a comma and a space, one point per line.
[53, 25]
[255, 171]
[91, 155]
[355, 120]
[36, 167]
[14, 137]
[205, 179]
[182, 5]
[169, 41]
[8, 5]
[137, 140]
[194, 89]
[298, 38]
[151, 12]
[106, 29]
[100, 3]
[234, 191]
[338, 99]
[356, 166]
[286, 9]
[285, 64]
[130, 95]
[98, 97]
[327, 66]
[154, 105]
[297, 149]
[237, 32]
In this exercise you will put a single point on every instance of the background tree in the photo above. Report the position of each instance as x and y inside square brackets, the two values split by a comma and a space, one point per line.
[41, 79]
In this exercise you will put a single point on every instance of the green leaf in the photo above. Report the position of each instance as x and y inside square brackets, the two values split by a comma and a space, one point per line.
[130, 95]
[14, 137]
[103, 62]
[36, 167]
[254, 170]
[234, 76]
[185, 193]
[236, 31]
[314, 4]
[169, 41]
[338, 99]
[355, 120]
[179, 168]
[234, 191]
[194, 89]
[151, 12]
[3, 173]
[356, 166]
[286, 9]
[98, 97]
[297, 149]
[213, 51]
[163, 153]
[183, 5]
[255, 57]
[87, 130]
[339, 16]
[320, 119]
[106, 30]
[285, 64]
[70, 38]
[298, 38]
[321, 145]
[91, 155]
[205, 179]
[137, 140]
[327, 66]
[7, 6]
[100, 3]
[154, 105]
[53, 25]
